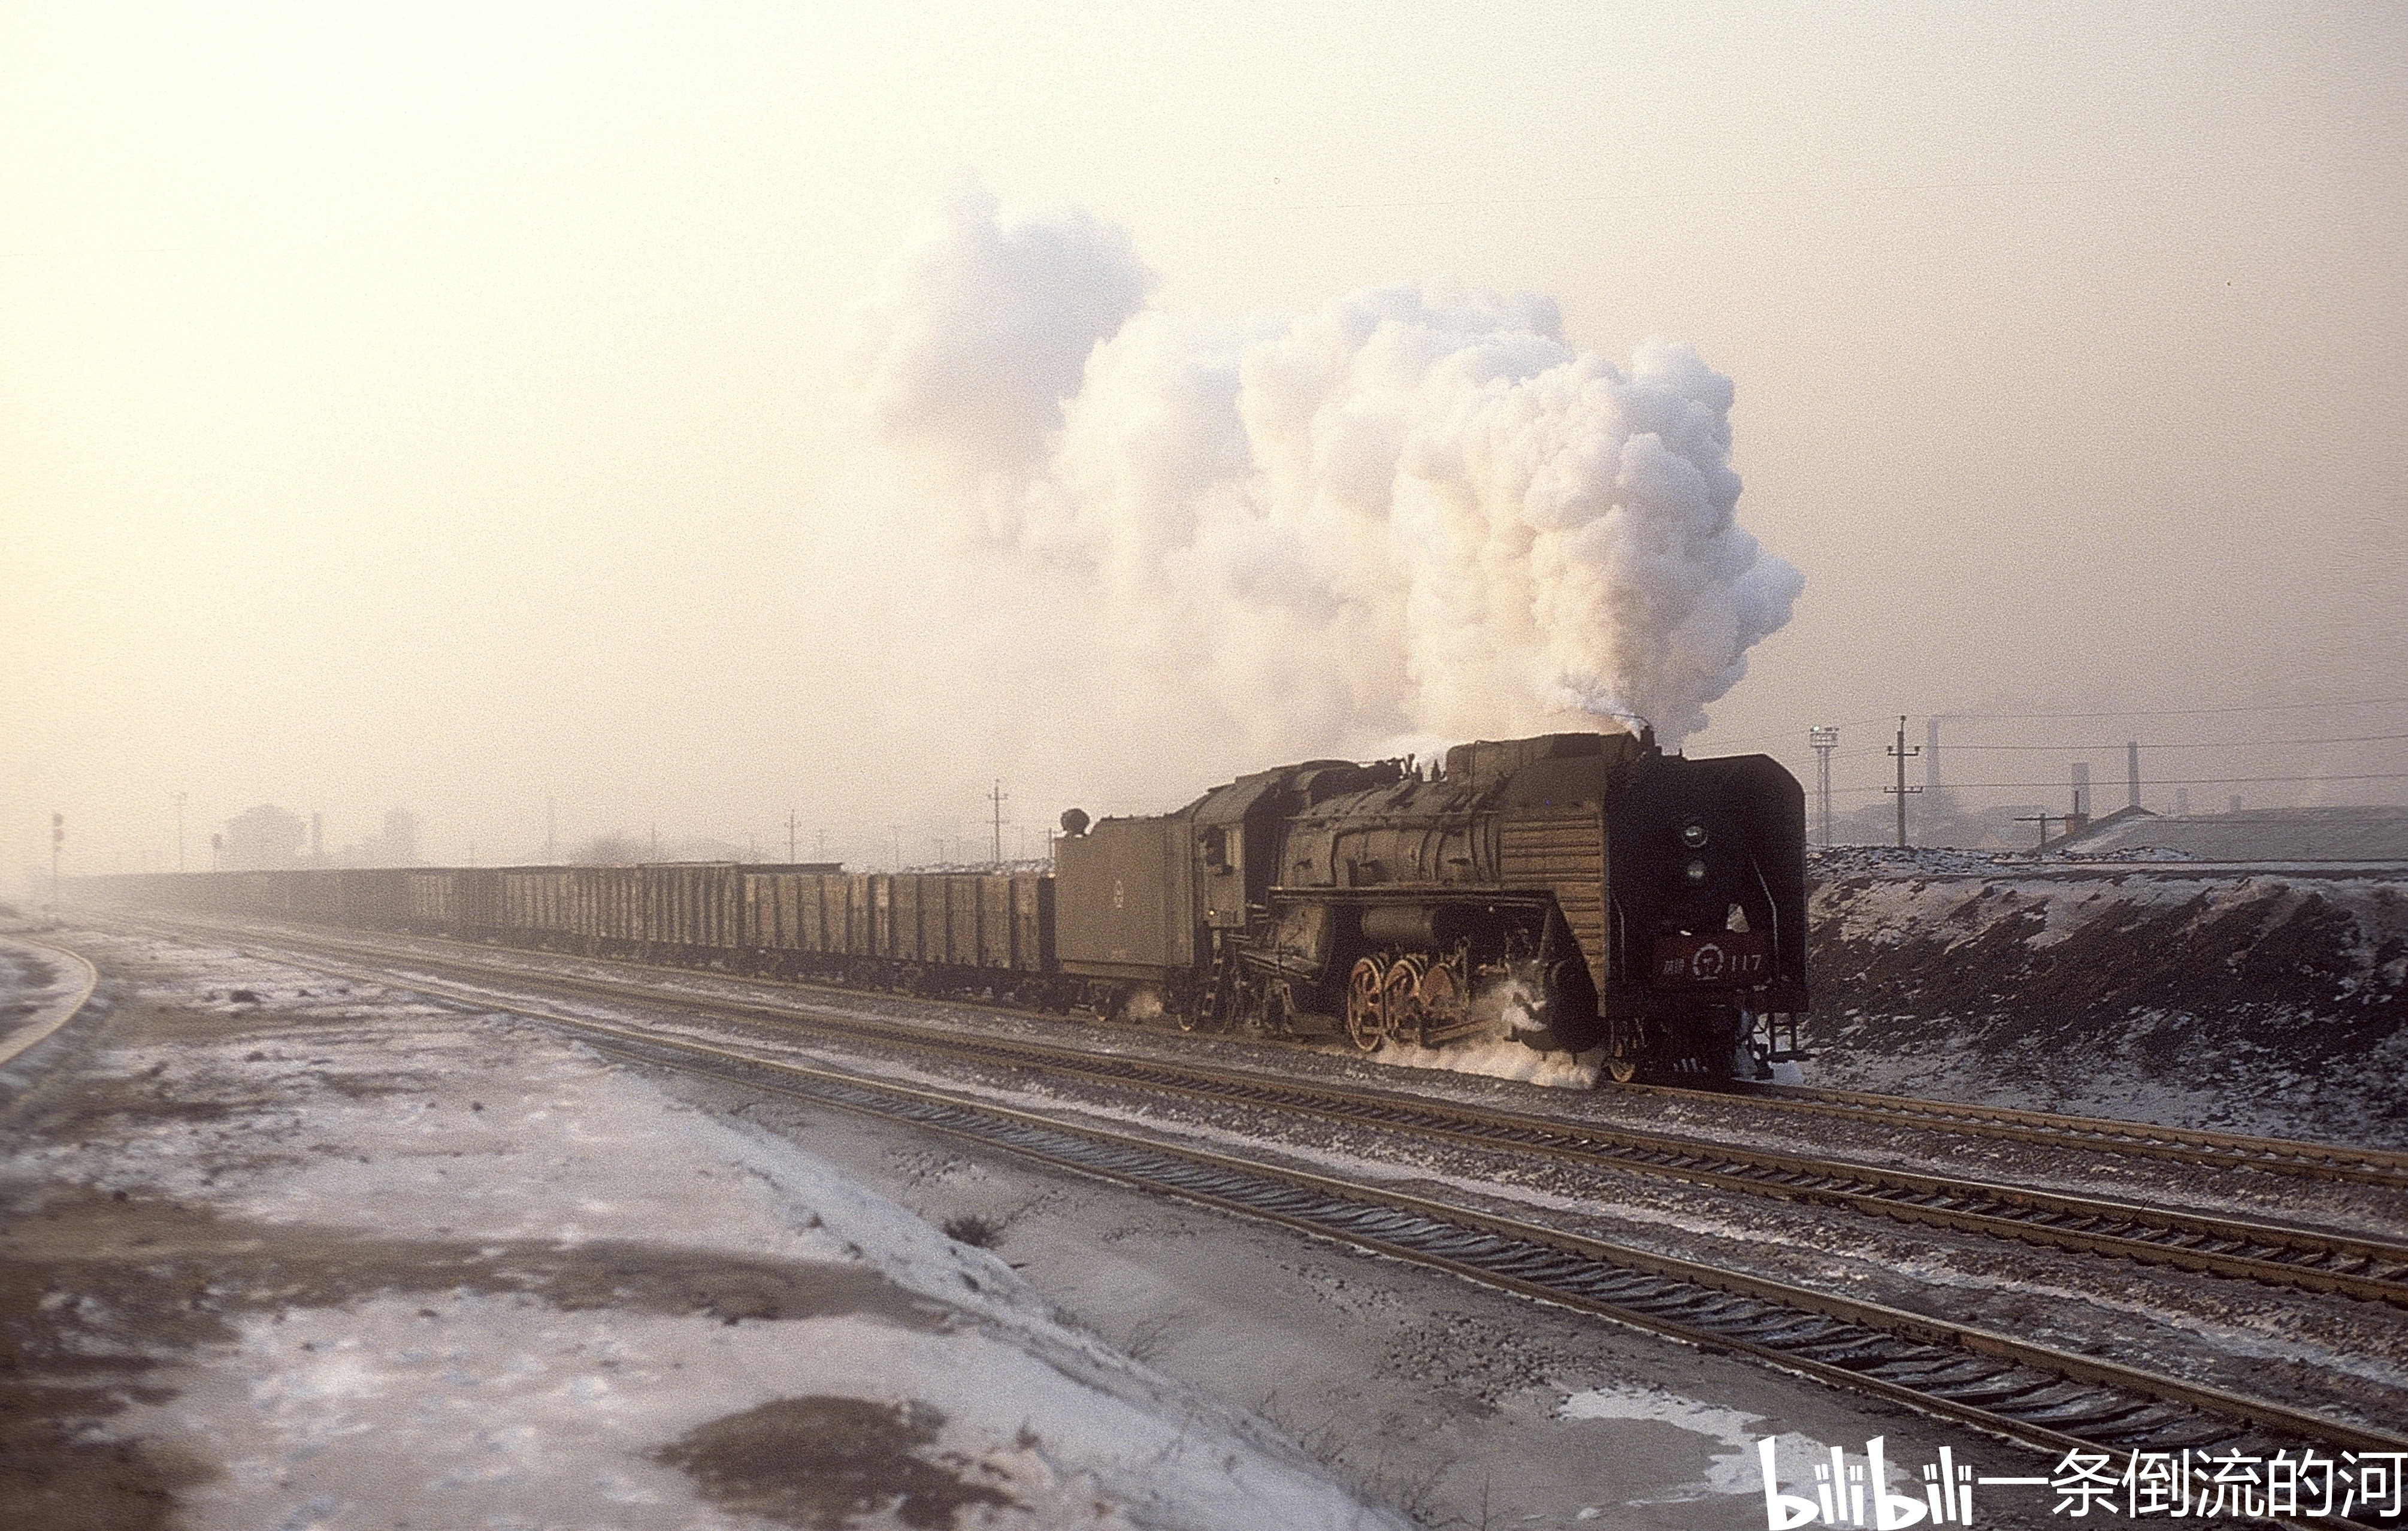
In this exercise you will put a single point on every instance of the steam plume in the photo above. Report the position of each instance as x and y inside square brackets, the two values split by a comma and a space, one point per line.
[1412, 513]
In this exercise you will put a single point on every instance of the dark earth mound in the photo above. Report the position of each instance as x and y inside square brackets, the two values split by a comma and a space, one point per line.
[2260, 1002]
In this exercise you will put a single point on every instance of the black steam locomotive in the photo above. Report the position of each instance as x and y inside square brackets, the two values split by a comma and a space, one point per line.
[1576, 890]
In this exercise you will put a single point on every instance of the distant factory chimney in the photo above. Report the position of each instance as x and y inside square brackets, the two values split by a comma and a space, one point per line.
[2132, 772]
[2082, 789]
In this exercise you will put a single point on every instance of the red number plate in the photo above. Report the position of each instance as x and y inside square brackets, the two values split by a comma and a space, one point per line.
[1726, 958]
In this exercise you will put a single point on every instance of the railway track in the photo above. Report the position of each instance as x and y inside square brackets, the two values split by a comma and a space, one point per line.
[2053, 1401]
[2271, 1156]
[2332, 1162]
[83, 978]
[2304, 1258]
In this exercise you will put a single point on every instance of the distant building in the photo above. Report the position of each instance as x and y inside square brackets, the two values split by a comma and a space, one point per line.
[263, 839]
[2298, 834]
[395, 845]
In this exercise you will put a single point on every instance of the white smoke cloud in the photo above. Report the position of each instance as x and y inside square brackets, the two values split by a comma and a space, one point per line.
[980, 327]
[1412, 514]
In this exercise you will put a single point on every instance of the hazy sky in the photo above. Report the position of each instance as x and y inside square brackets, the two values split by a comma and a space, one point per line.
[446, 406]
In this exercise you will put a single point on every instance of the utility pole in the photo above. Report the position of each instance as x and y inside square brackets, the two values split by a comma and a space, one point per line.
[1900, 752]
[180, 830]
[997, 798]
[792, 824]
[1825, 740]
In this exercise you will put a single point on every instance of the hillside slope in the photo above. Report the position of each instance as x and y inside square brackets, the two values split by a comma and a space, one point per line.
[2250, 999]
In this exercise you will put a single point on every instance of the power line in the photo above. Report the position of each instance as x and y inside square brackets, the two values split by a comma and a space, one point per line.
[2172, 712]
[2210, 744]
[1784, 736]
[2160, 781]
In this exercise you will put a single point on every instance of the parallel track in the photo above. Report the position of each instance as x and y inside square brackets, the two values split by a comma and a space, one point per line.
[2308, 1259]
[2273, 1155]
[2050, 1400]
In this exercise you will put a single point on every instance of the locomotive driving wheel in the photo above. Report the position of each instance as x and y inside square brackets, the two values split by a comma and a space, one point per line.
[1400, 998]
[1366, 1012]
[1438, 1000]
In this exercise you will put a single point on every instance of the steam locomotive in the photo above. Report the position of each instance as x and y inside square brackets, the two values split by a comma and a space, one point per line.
[1573, 891]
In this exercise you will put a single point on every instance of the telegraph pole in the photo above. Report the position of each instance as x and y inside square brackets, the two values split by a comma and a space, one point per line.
[997, 798]
[792, 824]
[1825, 740]
[1900, 752]
[2042, 818]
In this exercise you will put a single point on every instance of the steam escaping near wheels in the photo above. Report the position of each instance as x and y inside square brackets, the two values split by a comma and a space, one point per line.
[1414, 512]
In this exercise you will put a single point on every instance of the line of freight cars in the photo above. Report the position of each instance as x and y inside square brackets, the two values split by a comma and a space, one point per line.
[925, 931]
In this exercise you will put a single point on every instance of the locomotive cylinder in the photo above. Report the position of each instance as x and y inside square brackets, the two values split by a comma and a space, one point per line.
[1430, 925]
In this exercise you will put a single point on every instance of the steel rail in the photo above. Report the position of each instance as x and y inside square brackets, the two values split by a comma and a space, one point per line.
[2313, 1260]
[62, 1010]
[2053, 1400]
[2274, 1155]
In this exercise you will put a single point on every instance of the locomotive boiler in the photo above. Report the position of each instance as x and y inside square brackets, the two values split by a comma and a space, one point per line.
[1573, 891]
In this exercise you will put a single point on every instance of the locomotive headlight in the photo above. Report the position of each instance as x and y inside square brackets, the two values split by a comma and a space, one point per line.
[1694, 837]
[1695, 871]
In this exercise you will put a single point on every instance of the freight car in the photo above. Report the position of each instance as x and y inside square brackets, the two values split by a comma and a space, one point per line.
[1574, 891]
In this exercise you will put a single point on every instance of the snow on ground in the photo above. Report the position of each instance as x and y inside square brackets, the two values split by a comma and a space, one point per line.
[1732, 1470]
[2251, 999]
[473, 1275]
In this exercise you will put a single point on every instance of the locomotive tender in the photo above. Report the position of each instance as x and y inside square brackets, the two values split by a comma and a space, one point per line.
[1574, 891]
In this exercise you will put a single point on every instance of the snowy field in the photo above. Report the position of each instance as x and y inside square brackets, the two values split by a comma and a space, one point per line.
[392, 1268]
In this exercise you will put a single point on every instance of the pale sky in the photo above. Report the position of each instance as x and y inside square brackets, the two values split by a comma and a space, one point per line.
[444, 406]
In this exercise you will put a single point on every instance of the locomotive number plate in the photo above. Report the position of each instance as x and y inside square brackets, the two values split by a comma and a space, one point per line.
[1725, 957]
